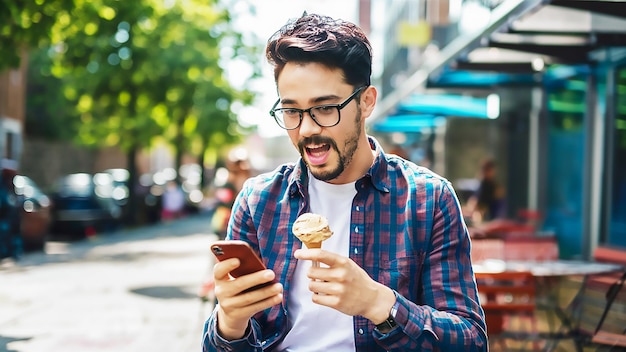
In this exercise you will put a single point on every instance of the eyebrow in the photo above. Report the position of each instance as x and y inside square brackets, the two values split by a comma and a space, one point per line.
[315, 101]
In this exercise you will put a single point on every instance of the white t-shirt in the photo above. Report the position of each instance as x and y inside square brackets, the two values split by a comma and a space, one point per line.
[316, 327]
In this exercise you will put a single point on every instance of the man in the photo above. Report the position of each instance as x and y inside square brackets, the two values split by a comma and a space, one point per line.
[396, 275]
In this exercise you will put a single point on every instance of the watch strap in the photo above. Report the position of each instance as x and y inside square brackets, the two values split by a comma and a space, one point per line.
[387, 325]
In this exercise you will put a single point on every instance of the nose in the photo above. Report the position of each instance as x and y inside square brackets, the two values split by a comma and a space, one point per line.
[308, 126]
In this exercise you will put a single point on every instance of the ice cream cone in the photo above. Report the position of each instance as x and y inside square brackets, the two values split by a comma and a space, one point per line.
[312, 229]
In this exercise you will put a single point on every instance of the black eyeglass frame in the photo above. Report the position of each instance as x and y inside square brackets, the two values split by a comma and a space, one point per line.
[302, 111]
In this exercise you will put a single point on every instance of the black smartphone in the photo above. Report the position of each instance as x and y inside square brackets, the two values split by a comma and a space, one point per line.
[250, 261]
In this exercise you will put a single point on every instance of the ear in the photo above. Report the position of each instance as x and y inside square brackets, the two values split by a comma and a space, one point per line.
[368, 101]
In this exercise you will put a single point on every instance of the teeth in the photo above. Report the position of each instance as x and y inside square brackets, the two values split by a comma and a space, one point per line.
[316, 149]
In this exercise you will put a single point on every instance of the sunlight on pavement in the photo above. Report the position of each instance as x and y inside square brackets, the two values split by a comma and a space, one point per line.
[57, 248]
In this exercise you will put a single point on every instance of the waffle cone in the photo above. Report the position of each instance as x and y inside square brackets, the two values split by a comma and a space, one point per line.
[312, 245]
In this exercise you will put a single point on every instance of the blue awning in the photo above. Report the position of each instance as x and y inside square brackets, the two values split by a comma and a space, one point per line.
[471, 79]
[451, 105]
[408, 123]
[426, 111]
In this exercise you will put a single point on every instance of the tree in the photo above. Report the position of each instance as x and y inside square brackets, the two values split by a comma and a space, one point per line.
[26, 24]
[138, 71]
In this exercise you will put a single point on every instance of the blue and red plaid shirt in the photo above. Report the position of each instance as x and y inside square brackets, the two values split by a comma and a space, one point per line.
[407, 232]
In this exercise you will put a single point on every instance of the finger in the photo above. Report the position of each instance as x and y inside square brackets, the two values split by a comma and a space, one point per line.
[261, 294]
[327, 287]
[251, 280]
[266, 303]
[320, 255]
[222, 269]
[327, 300]
[252, 302]
[247, 304]
[305, 254]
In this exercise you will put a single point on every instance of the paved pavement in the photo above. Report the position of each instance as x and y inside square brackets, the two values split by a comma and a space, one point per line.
[133, 290]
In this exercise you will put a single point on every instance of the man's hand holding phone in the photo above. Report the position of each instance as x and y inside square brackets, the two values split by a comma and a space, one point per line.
[243, 287]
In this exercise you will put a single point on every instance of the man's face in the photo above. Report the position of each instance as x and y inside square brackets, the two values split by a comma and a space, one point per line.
[328, 151]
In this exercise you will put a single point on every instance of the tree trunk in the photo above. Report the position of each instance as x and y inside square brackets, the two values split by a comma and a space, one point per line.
[131, 214]
[179, 144]
[203, 175]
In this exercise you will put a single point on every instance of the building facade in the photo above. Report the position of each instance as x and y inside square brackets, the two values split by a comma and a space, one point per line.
[559, 70]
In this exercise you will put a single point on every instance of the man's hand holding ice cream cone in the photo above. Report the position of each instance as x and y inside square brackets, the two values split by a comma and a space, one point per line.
[346, 287]
[342, 285]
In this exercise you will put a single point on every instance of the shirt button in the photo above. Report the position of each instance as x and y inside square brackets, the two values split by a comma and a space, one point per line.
[356, 229]
[361, 332]
[357, 208]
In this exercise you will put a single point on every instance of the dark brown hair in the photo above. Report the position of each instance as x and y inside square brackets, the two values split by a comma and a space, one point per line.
[333, 43]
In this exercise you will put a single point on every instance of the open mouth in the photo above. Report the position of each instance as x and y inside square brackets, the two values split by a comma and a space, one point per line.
[318, 154]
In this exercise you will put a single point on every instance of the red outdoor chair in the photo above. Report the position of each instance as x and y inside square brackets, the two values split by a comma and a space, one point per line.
[531, 248]
[508, 299]
[488, 248]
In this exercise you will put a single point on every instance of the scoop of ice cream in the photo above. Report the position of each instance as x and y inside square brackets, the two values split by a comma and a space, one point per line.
[311, 229]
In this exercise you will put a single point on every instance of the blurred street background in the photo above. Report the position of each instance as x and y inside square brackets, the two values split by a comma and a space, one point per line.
[134, 290]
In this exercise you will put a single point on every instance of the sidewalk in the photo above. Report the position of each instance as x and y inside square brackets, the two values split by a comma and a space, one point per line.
[134, 290]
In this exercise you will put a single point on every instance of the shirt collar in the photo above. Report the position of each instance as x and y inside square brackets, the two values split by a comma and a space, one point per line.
[377, 174]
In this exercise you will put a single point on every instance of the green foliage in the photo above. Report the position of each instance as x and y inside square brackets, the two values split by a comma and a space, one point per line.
[26, 24]
[127, 73]
[49, 115]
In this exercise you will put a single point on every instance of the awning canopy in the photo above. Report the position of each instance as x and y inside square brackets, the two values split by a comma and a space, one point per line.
[475, 79]
[408, 123]
[451, 105]
[425, 111]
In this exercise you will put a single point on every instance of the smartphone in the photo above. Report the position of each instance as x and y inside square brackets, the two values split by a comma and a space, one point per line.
[250, 261]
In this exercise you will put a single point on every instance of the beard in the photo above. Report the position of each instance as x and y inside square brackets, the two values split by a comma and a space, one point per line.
[345, 156]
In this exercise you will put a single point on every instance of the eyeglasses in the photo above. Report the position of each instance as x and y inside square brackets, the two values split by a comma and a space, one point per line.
[326, 115]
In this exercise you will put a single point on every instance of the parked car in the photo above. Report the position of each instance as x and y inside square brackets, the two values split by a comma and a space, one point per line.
[121, 189]
[35, 212]
[83, 205]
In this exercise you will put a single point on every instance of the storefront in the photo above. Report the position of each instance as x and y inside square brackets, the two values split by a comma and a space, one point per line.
[561, 133]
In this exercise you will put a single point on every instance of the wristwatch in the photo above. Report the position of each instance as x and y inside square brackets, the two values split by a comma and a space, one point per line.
[389, 323]
[386, 325]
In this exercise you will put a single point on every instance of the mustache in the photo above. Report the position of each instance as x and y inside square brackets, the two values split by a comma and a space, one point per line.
[315, 140]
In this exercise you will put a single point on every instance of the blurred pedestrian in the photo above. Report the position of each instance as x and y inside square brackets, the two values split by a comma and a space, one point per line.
[487, 202]
[172, 202]
[238, 168]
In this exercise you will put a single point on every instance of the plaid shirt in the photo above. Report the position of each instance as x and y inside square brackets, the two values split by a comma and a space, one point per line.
[407, 232]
